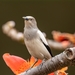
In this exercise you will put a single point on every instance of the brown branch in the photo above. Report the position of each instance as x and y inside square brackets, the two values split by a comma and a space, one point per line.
[10, 31]
[14, 34]
[66, 58]
[56, 45]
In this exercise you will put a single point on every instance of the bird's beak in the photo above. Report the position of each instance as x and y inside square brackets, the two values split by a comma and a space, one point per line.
[25, 18]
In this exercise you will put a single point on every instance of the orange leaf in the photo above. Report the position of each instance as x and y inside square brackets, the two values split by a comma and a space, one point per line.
[62, 71]
[18, 64]
[32, 60]
[15, 63]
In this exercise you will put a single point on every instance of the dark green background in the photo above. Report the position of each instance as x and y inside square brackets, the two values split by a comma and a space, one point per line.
[50, 15]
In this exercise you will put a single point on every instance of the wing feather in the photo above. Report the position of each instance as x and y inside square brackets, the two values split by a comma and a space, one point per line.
[42, 37]
[43, 40]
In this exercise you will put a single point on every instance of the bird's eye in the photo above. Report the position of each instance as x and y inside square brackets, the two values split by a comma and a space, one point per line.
[31, 19]
[26, 19]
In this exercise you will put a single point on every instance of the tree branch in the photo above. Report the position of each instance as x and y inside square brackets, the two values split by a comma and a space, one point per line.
[66, 58]
[10, 31]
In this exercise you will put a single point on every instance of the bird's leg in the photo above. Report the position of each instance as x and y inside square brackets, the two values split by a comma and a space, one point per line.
[43, 61]
[36, 60]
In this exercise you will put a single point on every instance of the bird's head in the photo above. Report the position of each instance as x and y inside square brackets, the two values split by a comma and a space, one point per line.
[30, 21]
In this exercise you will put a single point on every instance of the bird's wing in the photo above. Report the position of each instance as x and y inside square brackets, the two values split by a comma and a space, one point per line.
[43, 40]
[42, 37]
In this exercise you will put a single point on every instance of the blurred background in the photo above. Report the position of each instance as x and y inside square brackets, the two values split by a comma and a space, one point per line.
[50, 15]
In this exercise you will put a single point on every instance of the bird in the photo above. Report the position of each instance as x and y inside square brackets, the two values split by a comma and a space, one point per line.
[35, 41]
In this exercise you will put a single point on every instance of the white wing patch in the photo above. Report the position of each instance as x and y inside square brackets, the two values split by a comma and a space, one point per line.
[42, 37]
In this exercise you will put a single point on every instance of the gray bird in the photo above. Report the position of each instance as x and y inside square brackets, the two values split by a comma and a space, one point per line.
[35, 40]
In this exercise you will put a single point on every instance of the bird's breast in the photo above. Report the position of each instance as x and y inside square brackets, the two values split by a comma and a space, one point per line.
[37, 49]
[30, 34]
